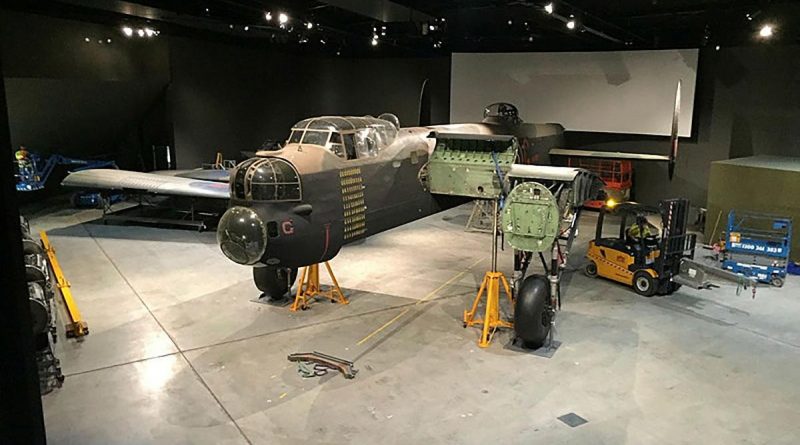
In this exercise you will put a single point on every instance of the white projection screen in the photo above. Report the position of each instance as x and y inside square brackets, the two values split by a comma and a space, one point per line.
[612, 92]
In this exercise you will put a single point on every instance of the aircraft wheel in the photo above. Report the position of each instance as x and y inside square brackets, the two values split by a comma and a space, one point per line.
[776, 281]
[531, 312]
[644, 284]
[591, 269]
[274, 282]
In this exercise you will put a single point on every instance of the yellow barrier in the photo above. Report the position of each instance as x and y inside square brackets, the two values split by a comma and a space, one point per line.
[76, 327]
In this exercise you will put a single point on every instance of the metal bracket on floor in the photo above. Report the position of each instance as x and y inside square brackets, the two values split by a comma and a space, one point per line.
[309, 288]
[76, 327]
[321, 362]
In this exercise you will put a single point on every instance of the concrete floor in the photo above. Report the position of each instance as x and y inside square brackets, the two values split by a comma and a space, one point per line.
[178, 352]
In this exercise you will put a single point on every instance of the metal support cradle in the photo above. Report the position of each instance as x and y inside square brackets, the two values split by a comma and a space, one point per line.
[490, 286]
[309, 288]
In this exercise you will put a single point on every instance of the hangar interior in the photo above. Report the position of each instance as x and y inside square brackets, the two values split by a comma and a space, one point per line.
[243, 221]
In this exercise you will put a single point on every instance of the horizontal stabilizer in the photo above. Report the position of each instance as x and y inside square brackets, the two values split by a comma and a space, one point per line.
[608, 155]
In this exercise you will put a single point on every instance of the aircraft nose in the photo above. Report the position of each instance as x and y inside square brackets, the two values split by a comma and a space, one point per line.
[242, 235]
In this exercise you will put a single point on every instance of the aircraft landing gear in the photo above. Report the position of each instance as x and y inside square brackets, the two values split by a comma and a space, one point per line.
[532, 312]
[274, 282]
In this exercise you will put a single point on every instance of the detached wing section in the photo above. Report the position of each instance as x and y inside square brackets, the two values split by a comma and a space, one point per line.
[107, 179]
[670, 159]
[608, 154]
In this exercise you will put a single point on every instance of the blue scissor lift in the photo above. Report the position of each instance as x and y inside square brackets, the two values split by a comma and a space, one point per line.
[757, 245]
[33, 172]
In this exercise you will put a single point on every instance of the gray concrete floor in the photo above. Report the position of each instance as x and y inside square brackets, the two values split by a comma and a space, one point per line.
[179, 352]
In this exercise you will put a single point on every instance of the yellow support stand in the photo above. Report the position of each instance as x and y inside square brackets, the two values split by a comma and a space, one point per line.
[491, 319]
[77, 327]
[310, 288]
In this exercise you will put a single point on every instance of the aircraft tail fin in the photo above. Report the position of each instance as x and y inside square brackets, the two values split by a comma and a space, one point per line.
[424, 105]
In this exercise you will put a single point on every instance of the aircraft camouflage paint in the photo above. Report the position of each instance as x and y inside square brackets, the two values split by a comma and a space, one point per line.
[335, 181]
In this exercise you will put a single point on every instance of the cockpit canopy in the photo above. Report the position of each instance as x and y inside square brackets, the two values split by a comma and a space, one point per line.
[345, 136]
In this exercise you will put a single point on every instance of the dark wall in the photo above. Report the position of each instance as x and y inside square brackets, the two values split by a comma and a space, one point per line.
[83, 99]
[74, 97]
[226, 98]
[748, 102]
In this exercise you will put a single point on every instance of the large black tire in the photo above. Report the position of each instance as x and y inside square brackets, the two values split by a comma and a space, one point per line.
[776, 281]
[591, 269]
[274, 282]
[644, 284]
[531, 311]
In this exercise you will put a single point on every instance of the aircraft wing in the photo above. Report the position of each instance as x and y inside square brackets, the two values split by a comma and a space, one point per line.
[608, 154]
[112, 179]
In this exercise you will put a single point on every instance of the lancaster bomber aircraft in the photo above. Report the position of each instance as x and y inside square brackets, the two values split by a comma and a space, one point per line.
[339, 179]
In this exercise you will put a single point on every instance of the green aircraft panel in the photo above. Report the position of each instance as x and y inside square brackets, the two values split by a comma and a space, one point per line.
[531, 218]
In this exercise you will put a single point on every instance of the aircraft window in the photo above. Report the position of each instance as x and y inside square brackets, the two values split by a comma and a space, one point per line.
[336, 146]
[238, 182]
[294, 138]
[366, 145]
[313, 137]
[349, 146]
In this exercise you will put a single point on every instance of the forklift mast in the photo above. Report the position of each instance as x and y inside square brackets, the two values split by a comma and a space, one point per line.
[676, 244]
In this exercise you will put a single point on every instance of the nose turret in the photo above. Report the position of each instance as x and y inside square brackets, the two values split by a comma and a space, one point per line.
[242, 235]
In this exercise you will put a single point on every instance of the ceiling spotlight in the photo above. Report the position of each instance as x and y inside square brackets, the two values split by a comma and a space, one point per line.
[150, 32]
[510, 22]
[86, 40]
[309, 25]
[432, 27]
[268, 16]
[283, 18]
[766, 31]
[108, 40]
[127, 30]
[716, 48]
[374, 41]
[548, 8]
[571, 24]
[140, 32]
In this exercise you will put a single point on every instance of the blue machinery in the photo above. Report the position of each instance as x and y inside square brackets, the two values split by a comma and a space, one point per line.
[32, 177]
[757, 245]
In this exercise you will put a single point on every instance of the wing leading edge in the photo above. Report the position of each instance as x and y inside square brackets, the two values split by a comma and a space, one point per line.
[107, 179]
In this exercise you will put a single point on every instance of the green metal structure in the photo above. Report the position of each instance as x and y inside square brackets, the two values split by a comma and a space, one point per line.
[467, 165]
[531, 217]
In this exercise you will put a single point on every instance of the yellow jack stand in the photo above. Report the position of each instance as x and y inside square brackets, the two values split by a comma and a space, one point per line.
[491, 320]
[309, 288]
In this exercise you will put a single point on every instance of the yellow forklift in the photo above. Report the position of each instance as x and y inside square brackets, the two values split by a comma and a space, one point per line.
[640, 254]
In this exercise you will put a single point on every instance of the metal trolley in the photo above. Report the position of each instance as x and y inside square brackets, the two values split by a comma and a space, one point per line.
[757, 245]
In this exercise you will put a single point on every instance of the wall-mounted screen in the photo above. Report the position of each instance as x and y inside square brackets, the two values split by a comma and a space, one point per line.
[612, 92]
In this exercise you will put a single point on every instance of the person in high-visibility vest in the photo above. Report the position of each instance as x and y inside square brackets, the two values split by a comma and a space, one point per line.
[641, 228]
[24, 164]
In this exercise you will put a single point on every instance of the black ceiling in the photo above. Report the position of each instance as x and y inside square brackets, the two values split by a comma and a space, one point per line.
[425, 27]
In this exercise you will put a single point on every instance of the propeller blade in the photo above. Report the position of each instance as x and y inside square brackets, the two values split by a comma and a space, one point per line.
[673, 153]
